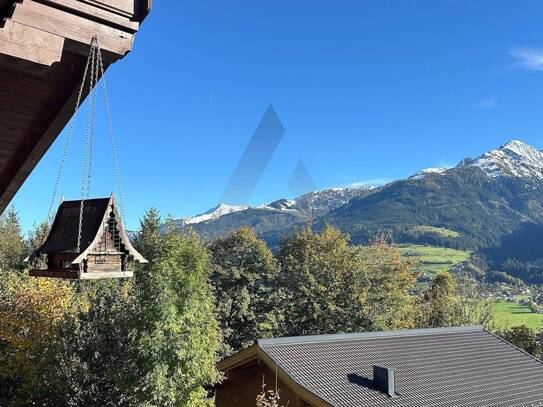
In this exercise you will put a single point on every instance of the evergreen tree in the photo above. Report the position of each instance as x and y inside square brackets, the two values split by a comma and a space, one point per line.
[243, 276]
[12, 248]
[149, 237]
[36, 236]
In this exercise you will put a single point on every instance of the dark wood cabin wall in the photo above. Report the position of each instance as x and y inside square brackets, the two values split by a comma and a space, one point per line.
[244, 383]
[55, 261]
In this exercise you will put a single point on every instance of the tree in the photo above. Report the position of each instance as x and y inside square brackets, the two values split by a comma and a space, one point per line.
[329, 286]
[450, 301]
[524, 338]
[439, 302]
[149, 237]
[34, 239]
[177, 335]
[36, 236]
[97, 350]
[12, 248]
[243, 276]
[390, 280]
[32, 312]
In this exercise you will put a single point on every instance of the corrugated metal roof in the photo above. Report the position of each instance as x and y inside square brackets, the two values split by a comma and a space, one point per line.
[464, 366]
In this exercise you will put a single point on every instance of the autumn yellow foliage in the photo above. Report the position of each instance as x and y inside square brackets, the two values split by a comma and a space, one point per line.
[31, 310]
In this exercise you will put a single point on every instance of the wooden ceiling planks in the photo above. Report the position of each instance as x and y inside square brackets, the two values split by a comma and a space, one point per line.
[43, 49]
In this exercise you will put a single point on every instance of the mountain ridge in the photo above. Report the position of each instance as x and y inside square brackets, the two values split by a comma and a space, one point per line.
[512, 159]
[488, 200]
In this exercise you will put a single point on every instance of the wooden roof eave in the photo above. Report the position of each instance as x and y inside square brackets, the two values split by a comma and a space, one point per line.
[239, 358]
[256, 352]
[47, 41]
[126, 241]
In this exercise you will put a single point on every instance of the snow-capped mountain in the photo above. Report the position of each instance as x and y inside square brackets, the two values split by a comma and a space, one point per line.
[312, 204]
[318, 203]
[215, 213]
[513, 159]
[494, 202]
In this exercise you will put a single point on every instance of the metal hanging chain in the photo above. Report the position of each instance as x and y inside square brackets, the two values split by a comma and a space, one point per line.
[89, 138]
[95, 62]
[92, 124]
[68, 139]
[111, 135]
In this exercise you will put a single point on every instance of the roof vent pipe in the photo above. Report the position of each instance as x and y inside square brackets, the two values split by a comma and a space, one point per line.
[383, 378]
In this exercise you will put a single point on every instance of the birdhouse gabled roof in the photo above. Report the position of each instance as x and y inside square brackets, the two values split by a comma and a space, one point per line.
[64, 231]
[63, 235]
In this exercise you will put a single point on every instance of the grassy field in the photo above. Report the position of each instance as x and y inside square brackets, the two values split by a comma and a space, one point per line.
[437, 231]
[508, 314]
[433, 260]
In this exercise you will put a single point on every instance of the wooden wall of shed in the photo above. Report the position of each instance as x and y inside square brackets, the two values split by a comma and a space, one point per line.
[112, 262]
[244, 383]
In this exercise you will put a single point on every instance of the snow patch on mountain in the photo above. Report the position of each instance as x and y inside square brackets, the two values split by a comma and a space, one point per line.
[312, 204]
[320, 202]
[513, 159]
[280, 205]
[215, 213]
[423, 173]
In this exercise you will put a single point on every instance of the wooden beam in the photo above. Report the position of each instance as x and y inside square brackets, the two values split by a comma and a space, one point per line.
[126, 7]
[27, 158]
[143, 9]
[78, 29]
[30, 44]
[43, 46]
[94, 13]
[74, 275]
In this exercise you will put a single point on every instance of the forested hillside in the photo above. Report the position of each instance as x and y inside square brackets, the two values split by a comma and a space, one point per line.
[491, 204]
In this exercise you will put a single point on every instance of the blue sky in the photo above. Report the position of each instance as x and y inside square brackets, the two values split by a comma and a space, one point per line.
[366, 91]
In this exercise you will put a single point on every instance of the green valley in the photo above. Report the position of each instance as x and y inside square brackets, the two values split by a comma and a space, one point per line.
[509, 314]
[433, 260]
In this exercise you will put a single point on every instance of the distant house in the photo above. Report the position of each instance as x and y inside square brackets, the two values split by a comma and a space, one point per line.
[463, 366]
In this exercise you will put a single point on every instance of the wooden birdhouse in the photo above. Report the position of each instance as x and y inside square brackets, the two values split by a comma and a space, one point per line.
[103, 249]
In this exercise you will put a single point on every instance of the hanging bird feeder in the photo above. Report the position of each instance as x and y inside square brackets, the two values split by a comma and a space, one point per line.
[102, 250]
[87, 239]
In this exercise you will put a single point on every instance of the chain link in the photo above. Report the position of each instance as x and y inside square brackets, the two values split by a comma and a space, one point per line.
[92, 105]
[68, 141]
[89, 139]
[95, 62]
[118, 178]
